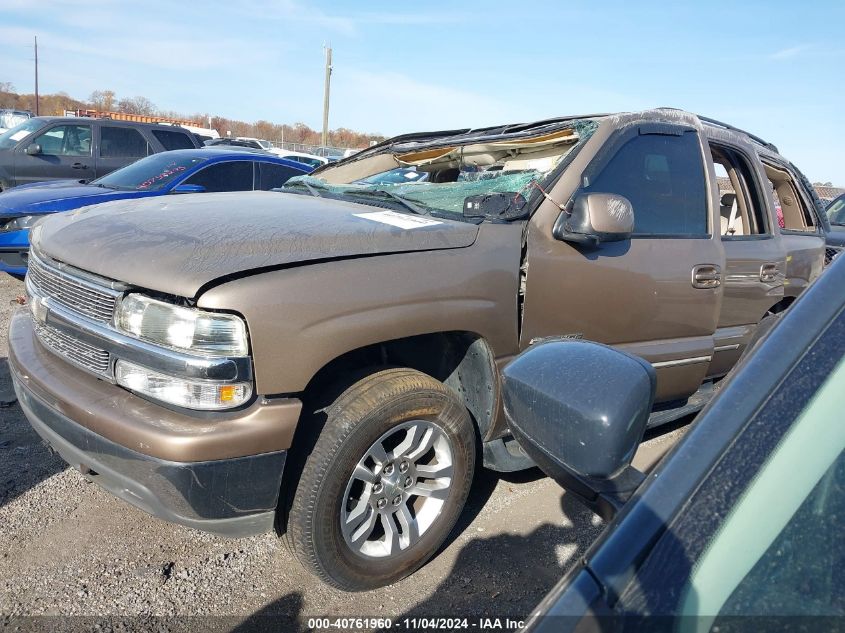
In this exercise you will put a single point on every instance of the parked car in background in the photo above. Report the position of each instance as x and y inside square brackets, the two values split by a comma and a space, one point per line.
[260, 143]
[330, 153]
[739, 528]
[306, 159]
[81, 148]
[12, 118]
[179, 171]
[327, 360]
[835, 236]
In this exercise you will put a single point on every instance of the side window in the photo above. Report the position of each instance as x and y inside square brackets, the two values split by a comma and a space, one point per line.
[663, 177]
[793, 209]
[742, 210]
[122, 142]
[173, 140]
[66, 140]
[234, 176]
[271, 175]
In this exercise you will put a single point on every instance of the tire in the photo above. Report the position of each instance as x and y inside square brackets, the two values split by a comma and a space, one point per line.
[426, 437]
[763, 327]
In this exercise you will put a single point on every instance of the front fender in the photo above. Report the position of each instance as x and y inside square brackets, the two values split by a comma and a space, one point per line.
[302, 318]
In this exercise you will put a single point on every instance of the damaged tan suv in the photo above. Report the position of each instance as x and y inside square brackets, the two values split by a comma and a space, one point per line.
[325, 360]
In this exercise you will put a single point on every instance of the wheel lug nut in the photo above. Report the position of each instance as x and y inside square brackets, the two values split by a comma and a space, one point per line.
[408, 482]
[378, 488]
[381, 503]
[397, 500]
[403, 467]
[388, 470]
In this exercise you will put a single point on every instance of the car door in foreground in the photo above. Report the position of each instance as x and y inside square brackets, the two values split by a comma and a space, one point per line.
[739, 527]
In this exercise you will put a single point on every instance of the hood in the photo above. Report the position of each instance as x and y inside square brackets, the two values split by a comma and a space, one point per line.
[58, 195]
[177, 244]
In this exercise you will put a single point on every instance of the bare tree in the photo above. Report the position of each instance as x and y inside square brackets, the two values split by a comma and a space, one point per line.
[136, 105]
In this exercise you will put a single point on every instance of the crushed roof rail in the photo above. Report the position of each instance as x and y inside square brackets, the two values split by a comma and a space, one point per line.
[728, 126]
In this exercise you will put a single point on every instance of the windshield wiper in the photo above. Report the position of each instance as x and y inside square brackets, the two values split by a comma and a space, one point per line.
[413, 208]
[312, 190]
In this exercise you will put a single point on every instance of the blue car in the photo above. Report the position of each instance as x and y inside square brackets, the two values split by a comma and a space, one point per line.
[179, 171]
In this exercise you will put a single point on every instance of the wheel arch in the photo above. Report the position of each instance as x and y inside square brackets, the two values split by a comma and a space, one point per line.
[463, 361]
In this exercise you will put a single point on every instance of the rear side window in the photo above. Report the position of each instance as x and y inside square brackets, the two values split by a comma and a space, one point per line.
[234, 176]
[65, 140]
[742, 210]
[122, 142]
[663, 177]
[173, 140]
[271, 175]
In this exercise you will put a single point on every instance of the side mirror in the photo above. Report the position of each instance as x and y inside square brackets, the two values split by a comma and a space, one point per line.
[33, 149]
[579, 411]
[496, 206]
[184, 188]
[596, 217]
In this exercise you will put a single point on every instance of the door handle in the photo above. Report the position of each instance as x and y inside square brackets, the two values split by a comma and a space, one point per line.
[79, 166]
[769, 273]
[706, 276]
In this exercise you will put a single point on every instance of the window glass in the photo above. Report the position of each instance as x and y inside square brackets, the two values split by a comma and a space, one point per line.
[233, 176]
[65, 140]
[122, 142]
[836, 212]
[663, 177]
[271, 175]
[12, 137]
[781, 550]
[152, 173]
[173, 140]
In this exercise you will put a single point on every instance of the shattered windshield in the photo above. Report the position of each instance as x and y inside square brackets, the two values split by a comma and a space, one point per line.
[452, 172]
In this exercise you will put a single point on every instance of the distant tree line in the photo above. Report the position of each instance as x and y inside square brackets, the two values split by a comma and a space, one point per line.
[108, 100]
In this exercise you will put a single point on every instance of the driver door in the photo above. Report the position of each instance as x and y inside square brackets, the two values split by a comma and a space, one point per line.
[656, 295]
[66, 152]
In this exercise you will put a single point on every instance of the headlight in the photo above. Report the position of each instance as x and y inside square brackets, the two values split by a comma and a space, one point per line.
[189, 329]
[190, 394]
[20, 223]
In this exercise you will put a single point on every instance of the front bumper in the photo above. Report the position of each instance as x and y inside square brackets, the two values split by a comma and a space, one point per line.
[14, 252]
[217, 473]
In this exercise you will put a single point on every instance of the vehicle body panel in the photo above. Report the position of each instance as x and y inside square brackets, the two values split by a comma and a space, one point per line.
[280, 229]
[375, 299]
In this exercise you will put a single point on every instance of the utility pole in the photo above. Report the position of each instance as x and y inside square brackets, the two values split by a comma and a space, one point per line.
[36, 75]
[325, 139]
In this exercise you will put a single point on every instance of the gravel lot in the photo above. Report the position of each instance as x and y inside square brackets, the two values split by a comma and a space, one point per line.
[69, 548]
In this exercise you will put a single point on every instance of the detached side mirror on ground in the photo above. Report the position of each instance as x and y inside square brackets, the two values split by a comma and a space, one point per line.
[33, 149]
[188, 189]
[579, 410]
[595, 218]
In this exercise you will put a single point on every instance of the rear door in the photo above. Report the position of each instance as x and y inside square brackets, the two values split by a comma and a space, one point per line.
[66, 152]
[235, 175]
[755, 255]
[657, 295]
[118, 146]
[272, 175]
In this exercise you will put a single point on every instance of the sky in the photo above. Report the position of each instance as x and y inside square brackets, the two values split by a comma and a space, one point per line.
[773, 68]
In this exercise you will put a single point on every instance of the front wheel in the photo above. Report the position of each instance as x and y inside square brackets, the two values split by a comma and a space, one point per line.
[387, 479]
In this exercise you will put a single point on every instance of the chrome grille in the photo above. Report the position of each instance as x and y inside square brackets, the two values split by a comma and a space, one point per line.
[73, 294]
[78, 352]
[830, 252]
